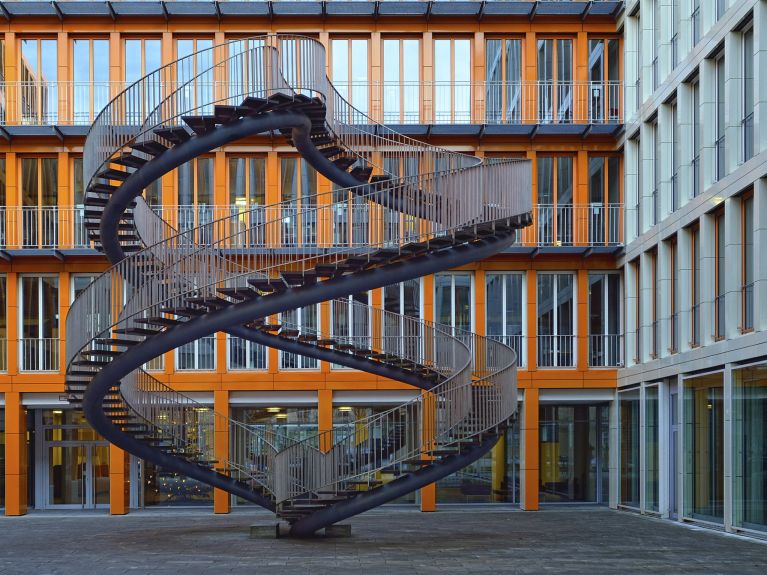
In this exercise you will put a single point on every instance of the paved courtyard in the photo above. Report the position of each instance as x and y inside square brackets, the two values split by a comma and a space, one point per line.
[465, 540]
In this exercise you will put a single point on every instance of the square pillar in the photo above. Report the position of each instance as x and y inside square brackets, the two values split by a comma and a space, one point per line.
[16, 455]
[529, 452]
[119, 481]
[428, 431]
[221, 498]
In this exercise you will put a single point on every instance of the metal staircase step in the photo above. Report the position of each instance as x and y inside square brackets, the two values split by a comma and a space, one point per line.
[129, 160]
[294, 279]
[116, 341]
[201, 125]
[136, 331]
[326, 342]
[308, 338]
[112, 174]
[89, 363]
[184, 311]
[362, 174]
[102, 188]
[100, 352]
[239, 293]
[224, 114]
[344, 162]
[174, 134]
[269, 327]
[161, 321]
[331, 151]
[380, 178]
[267, 285]
[289, 333]
[150, 147]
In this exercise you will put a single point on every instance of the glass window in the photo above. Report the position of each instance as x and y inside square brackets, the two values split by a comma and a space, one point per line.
[454, 301]
[750, 447]
[164, 488]
[556, 320]
[604, 210]
[704, 447]
[629, 446]
[402, 336]
[142, 56]
[696, 139]
[2, 458]
[504, 310]
[402, 79]
[195, 73]
[198, 355]
[38, 73]
[574, 453]
[555, 200]
[244, 68]
[349, 70]
[720, 277]
[555, 77]
[39, 198]
[605, 345]
[90, 74]
[674, 295]
[604, 80]
[720, 125]
[247, 198]
[350, 321]
[748, 94]
[503, 68]
[748, 262]
[243, 354]
[452, 81]
[652, 429]
[3, 326]
[696, 260]
[675, 158]
[306, 320]
[195, 198]
[39, 319]
[298, 185]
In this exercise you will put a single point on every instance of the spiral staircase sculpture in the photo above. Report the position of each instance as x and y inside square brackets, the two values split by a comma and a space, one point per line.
[167, 288]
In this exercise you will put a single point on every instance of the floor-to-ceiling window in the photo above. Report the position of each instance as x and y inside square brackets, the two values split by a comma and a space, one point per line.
[140, 57]
[504, 96]
[90, 75]
[39, 323]
[38, 73]
[349, 70]
[604, 209]
[555, 80]
[195, 180]
[402, 80]
[452, 80]
[247, 200]
[749, 448]
[604, 80]
[574, 450]
[720, 277]
[306, 320]
[747, 241]
[704, 447]
[402, 336]
[696, 139]
[651, 448]
[298, 187]
[720, 125]
[3, 323]
[555, 200]
[39, 198]
[194, 73]
[629, 447]
[605, 332]
[696, 260]
[556, 319]
[453, 301]
[504, 310]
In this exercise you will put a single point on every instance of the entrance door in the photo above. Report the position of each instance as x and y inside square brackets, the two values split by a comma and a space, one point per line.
[78, 475]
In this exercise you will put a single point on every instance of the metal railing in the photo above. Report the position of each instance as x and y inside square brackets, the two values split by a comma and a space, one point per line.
[448, 102]
[39, 354]
[556, 350]
[606, 350]
[747, 130]
[574, 225]
[515, 342]
[43, 227]
[478, 390]
[747, 295]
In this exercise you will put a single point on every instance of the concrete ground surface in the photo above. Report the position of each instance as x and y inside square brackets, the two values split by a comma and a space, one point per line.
[393, 540]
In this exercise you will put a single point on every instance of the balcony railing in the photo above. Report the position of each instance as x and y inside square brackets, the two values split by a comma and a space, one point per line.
[748, 307]
[574, 225]
[747, 129]
[515, 342]
[76, 103]
[556, 350]
[197, 355]
[39, 354]
[605, 350]
[245, 355]
[43, 227]
[719, 311]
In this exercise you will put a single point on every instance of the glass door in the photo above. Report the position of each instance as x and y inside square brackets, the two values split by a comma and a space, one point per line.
[78, 476]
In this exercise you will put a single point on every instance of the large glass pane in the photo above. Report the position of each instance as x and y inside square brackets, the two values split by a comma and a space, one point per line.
[574, 453]
[704, 447]
[163, 488]
[629, 448]
[652, 430]
[66, 475]
[750, 447]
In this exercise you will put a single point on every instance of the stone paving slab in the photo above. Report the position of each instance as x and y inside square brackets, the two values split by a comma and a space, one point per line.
[456, 540]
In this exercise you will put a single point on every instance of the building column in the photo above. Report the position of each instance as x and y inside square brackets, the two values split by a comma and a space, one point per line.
[428, 431]
[529, 452]
[325, 417]
[760, 252]
[119, 481]
[221, 498]
[16, 456]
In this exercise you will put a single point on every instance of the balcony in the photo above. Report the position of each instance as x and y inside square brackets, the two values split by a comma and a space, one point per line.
[556, 350]
[605, 350]
[418, 103]
[30, 228]
[574, 226]
[39, 354]
[515, 342]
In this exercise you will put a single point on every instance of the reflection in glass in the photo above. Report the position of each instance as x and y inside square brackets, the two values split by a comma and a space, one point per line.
[704, 447]
[574, 449]
[503, 301]
[750, 447]
[503, 65]
[629, 447]
[652, 457]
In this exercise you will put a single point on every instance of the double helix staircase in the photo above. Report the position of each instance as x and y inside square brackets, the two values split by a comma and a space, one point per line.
[243, 274]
